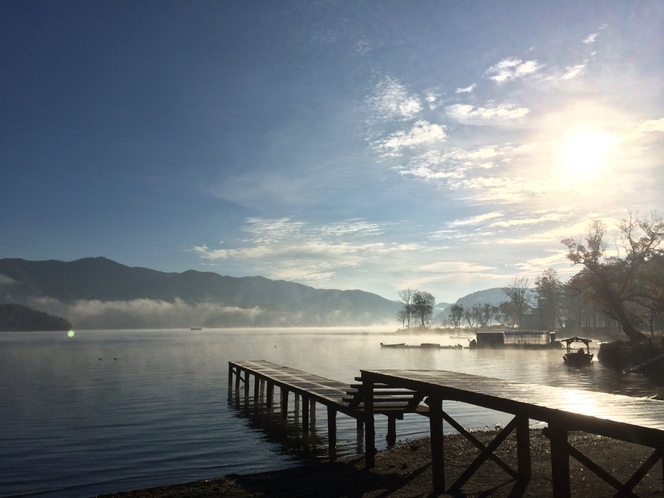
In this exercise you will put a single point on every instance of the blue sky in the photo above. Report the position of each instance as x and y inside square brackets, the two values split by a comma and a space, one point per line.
[375, 145]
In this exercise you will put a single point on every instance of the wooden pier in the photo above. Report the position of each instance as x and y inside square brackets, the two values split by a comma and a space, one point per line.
[395, 392]
[337, 396]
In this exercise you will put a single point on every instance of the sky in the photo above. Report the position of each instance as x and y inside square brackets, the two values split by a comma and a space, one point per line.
[445, 146]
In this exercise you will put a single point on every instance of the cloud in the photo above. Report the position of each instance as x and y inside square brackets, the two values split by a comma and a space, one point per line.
[390, 100]
[456, 267]
[591, 38]
[642, 130]
[292, 250]
[475, 219]
[572, 72]
[512, 69]
[422, 133]
[468, 89]
[492, 112]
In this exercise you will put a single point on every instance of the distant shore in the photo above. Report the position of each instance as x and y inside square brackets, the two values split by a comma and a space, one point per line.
[405, 471]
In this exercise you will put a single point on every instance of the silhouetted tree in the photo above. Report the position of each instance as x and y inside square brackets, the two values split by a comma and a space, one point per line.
[622, 285]
[456, 315]
[422, 306]
[518, 293]
[549, 298]
[406, 297]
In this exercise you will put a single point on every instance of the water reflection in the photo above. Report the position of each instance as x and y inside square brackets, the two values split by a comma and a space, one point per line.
[80, 426]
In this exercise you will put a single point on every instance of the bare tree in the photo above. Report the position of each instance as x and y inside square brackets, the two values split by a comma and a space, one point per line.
[456, 315]
[621, 285]
[406, 297]
[401, 317]
[471, 315]
[518, 293]
[549, 298]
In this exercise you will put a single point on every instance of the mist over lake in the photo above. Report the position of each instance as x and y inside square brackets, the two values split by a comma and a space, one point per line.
[116, 410]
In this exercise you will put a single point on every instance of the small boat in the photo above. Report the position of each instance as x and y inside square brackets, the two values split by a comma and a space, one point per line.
[398, 345]
[196, 328]
[579, 358]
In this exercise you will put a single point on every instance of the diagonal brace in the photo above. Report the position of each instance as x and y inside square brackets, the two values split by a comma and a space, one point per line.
[486, 453]
[480, 445]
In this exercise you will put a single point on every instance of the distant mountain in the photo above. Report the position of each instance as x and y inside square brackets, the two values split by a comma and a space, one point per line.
[19, 318]
[494, 296]
[100, 293]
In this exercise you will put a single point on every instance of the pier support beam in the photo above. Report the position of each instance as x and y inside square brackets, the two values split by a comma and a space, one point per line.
[391, 430]
[369, 428]
[269, 402]
[312, 414]
[523, 448]
[332, 429]
[559, 461]
[230, 381]
[436, 429]
[256, 391]
[305, 414]
[284, 403]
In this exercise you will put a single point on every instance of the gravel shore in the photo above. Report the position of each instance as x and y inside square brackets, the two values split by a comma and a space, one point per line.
[405, 471]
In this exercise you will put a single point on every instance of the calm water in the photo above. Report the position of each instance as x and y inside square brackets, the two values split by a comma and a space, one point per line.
[117, 410]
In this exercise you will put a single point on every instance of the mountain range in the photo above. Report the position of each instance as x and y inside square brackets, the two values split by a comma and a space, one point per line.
[97, 293]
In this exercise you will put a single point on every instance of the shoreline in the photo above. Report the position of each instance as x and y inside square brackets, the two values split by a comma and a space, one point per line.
[405, 471]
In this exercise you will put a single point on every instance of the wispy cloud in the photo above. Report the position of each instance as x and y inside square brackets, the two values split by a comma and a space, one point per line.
[572, 72]
[492, 112]
[643, 130]
[422, 133]
[591, 38]
[300, 251]
[467, 89]
[475, 219]
[512, 69]
[390, 100]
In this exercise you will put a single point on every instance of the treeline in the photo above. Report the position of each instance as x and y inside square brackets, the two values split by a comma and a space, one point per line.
[623, 287]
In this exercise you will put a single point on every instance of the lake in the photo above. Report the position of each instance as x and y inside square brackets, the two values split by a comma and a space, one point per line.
[116, 410]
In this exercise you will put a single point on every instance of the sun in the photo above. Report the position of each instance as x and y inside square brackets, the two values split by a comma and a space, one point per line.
[586, 153]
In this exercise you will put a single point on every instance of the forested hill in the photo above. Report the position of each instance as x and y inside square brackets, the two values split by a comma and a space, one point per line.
[19, 318]
[100, 293]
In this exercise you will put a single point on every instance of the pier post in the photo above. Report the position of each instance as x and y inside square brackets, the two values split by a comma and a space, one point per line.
[559, 461]
[369, 428]
[305, 414]
[270, 396]
[256, 397]
[523, 448]
[230, 381]
[332, 429]
[246, 388]
[436, 429]
[312, 414]
[237, 385]
[391, 430]
[284, 403]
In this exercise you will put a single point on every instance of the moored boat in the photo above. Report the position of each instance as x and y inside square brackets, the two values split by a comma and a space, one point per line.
[397, 345]
[581, 357]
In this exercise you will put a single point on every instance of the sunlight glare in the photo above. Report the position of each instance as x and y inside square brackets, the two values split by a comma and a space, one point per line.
[586, 153]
